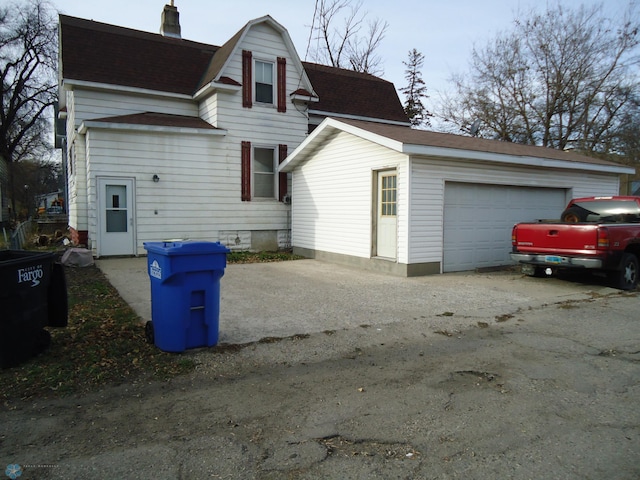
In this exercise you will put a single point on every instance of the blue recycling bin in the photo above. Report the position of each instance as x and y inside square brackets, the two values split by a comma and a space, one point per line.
[185, 293]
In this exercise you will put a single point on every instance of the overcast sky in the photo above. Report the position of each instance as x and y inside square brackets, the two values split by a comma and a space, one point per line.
[444, 31]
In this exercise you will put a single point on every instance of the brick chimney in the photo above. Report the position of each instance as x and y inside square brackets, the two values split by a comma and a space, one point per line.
[170, 21]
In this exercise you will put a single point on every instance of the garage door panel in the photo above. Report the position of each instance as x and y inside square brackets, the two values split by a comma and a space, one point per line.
[478, 220]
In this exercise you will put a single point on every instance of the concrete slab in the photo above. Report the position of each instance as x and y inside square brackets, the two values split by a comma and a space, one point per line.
[282, 299]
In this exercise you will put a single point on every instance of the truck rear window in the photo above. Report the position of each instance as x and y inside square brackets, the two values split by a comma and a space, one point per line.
[610, 211]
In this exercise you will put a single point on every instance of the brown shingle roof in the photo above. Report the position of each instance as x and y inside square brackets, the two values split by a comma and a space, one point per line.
[220, 58]
[423, 142]
[158, 119]
[447, 140]
[103, 53]
[359, 94]
[98, 52]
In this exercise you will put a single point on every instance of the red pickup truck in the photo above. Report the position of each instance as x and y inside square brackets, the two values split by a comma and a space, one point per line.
[597, 233]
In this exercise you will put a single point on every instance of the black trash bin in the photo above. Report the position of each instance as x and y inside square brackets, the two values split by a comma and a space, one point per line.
[32, 296]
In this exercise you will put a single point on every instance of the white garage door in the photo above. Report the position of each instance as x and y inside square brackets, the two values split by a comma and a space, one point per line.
[478, 220]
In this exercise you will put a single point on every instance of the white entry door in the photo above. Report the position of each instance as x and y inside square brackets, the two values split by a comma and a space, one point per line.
[116, 216]
[386, 221]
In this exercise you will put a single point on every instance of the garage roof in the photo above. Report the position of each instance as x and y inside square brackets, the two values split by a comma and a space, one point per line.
[432, 144]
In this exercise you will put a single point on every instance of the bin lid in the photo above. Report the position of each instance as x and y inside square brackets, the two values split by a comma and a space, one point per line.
[185, 247]
[11, 257]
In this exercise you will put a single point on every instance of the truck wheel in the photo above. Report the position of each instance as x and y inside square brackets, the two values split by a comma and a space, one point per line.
[573, 215]
[627, 277]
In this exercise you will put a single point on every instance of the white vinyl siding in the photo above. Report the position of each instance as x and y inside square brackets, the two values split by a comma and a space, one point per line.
[198, 194]
[428, 184]
[261, 124]
[333, 188]
[96, 104]
[208, 109]
[332, 197]
[78, 205]
[77, 208]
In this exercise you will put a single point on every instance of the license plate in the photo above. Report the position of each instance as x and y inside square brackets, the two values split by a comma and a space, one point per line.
[553, 259]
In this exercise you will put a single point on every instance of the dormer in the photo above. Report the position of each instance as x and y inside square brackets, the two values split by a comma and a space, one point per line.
[259, 70]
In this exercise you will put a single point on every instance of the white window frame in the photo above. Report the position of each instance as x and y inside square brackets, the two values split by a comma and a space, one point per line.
[257, 61]
[255, 172]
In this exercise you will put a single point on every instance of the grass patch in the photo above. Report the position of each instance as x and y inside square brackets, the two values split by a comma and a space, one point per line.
[103, 344]
[261, 257]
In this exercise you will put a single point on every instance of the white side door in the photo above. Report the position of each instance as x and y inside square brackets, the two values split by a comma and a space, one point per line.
[116, 216]
[387, 215]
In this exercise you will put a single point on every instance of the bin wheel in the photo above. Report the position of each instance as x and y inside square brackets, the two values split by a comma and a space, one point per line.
[148, 332]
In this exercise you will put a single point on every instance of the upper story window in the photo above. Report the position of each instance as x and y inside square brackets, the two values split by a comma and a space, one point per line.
[264, 82]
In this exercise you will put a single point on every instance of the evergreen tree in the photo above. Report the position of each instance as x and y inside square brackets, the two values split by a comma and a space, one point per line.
[415, 91]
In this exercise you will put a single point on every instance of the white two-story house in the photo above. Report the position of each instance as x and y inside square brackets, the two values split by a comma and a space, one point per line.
[168, 138]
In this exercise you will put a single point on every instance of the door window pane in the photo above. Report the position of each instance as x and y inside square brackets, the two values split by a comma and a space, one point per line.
[116, 221]
[116, 211]
[388, 196]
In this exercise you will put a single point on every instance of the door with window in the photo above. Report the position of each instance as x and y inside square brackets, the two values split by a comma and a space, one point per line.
[116, 216]
[386, 217]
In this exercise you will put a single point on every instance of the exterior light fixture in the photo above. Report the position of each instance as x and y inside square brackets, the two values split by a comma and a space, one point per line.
[156, 178]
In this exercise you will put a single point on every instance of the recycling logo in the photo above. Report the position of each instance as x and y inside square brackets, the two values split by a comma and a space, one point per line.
[155, 270]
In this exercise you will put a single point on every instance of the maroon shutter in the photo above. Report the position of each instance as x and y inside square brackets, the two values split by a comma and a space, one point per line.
[247, 78]
[282, 84]
[282, 178]
[246, 171]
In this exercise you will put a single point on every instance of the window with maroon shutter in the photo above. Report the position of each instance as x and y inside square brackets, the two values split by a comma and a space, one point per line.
[263, 84]
[263, 166]
[246, 171]
[282, 84]
[282, 178]
[247, 78]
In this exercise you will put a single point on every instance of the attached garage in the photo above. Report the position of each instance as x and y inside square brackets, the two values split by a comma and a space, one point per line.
[412, 202]
[478, 220]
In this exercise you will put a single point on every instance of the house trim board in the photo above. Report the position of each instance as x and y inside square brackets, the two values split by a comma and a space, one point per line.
[357, 117]
[70, 84]
[87, 124]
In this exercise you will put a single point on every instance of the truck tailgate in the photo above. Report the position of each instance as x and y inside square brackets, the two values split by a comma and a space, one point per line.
[556, 238]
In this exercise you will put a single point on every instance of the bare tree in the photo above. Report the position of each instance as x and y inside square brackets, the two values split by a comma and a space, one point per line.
[37, 176]
[562, 79]
[28, 43]
[415, 91]
[341, 42]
